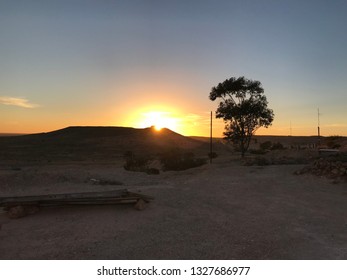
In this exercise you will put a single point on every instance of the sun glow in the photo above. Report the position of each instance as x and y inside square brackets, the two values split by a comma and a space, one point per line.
[174, 117]
[159, 120]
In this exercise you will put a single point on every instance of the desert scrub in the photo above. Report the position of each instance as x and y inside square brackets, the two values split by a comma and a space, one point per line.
[139, 163]
[136, 164]
[265, 146]
[275, 160]
[268, 145]
[257, 152]
[277, 146]
[176, 159]
[333, 142]
[173, 159]
[212, 155]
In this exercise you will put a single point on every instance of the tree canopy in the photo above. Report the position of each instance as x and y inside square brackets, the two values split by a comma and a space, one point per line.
[243, 107]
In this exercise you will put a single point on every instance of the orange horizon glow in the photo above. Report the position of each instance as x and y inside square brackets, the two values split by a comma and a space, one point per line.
[184, 121]
[186, 131]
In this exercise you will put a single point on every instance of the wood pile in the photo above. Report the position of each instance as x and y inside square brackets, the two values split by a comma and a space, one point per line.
[20, 206]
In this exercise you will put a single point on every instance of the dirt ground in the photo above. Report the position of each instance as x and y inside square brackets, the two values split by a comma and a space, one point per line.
[219, 211]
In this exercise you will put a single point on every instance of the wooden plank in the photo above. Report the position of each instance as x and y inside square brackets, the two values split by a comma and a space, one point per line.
[105, 197]
[52, 197]
[328, 151]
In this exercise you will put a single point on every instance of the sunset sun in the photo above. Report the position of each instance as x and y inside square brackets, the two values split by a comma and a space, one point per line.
[158, 120]
[157, 128]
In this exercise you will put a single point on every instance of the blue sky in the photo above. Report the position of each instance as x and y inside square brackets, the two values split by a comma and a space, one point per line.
[109, 62]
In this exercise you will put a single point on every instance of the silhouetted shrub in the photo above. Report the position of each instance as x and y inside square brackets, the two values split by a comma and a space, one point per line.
[175, 159]
[261, 161]
[135, 163]
[128, 155]
[257, 152]
[332, 142]
[212, 155]
[266, 145]
[139, 164]
[277, 146]
[334, 137]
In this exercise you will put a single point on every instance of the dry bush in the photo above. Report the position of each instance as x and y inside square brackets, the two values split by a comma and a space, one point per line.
[176, 159]
[136, 163]
[333, 142]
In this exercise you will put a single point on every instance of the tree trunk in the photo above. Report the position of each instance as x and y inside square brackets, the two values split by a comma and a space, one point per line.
[242, 147]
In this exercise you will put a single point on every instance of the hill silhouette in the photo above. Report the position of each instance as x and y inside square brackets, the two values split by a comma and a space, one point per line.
[83, 143]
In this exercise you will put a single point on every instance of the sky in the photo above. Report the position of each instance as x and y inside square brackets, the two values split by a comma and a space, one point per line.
[141, 63]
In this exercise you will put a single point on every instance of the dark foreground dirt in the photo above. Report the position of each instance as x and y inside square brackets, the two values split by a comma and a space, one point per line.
[218, 211]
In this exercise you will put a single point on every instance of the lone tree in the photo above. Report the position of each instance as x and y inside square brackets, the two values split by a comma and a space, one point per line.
[243, 108]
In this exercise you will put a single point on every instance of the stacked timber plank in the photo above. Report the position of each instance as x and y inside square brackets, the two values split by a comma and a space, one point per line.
[31, 203]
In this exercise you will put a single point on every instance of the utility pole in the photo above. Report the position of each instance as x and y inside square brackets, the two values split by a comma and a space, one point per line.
[211, 139]
[318, 125]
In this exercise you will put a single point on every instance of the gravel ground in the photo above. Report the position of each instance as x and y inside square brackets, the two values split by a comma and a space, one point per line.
[218, 211]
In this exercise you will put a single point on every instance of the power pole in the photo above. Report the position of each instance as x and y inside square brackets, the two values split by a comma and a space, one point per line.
[318, 125]
[211, 139]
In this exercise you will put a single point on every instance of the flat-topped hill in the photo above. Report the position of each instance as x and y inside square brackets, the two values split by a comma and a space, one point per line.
[92, 143]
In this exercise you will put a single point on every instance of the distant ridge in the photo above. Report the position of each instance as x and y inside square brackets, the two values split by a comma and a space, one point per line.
[94, 143]
[90, 131]
[10, 134]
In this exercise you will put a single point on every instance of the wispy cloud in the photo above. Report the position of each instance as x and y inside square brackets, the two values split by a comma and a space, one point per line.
[20, 102]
